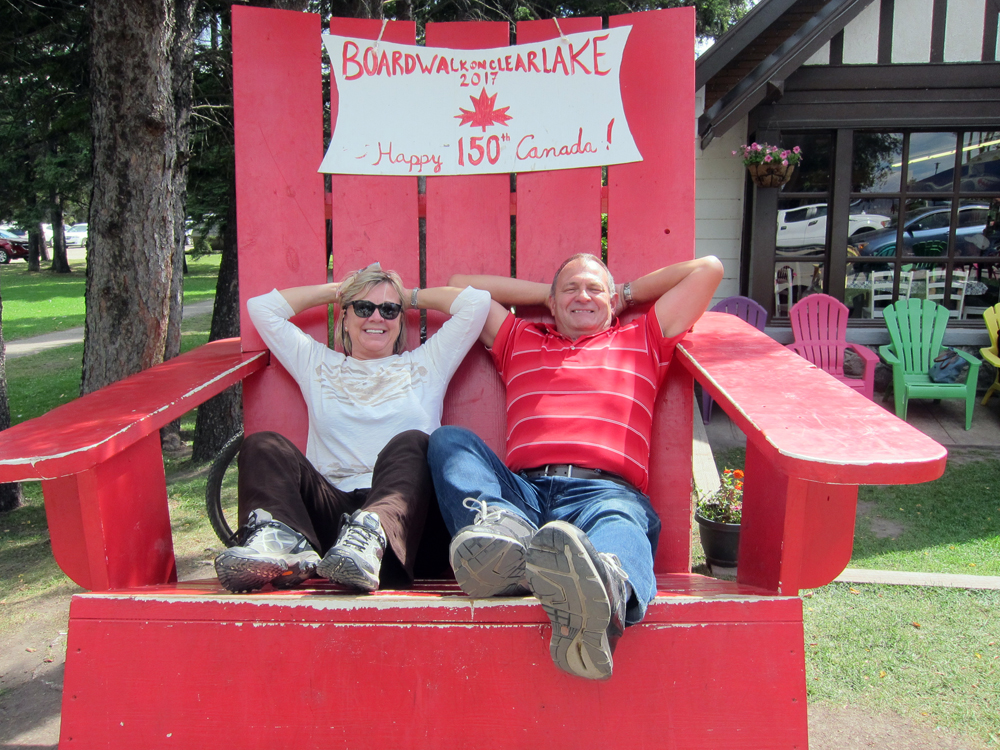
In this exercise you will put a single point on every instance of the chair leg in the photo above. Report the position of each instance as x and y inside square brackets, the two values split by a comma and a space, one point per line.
[970, 405]
[706, 407]
[991, 389]
[899, 393]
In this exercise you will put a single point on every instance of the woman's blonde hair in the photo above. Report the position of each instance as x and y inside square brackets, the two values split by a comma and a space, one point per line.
[359, 285]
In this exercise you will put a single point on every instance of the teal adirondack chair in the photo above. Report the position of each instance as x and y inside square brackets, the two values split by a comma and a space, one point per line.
[916, 328]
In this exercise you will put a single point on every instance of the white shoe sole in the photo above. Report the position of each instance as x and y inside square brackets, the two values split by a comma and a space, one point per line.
[487, 564]
[561, 573]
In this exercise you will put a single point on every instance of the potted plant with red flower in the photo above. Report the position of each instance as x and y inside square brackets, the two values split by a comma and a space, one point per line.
[719, 515]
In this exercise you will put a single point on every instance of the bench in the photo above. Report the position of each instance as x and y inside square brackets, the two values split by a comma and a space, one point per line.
[154, 663]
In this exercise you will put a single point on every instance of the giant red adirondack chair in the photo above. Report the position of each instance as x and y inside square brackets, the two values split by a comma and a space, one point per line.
[153, 663]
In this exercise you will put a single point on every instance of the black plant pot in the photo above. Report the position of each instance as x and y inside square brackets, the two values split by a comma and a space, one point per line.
[721, 542]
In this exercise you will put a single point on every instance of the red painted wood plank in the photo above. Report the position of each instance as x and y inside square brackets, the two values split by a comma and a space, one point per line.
[651, 202]
[168, 687]
[468, 231]
[772, 394]
[468, 217]
[85, 432]
[374, 218]
[682, 598]
[278, 111]
[558, 212]
[109, 526]
[278, 117]
[651, 224]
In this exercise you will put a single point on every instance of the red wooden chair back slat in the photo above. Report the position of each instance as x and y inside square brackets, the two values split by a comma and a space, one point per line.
[375, 218]
[468, 231]
[558, 212]
[651, 224]
[280, 223]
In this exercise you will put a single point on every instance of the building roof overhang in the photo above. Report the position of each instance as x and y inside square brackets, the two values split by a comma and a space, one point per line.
[765, 83]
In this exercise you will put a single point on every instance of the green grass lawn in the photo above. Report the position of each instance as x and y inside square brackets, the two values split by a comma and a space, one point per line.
[930, 654]
[43, 302]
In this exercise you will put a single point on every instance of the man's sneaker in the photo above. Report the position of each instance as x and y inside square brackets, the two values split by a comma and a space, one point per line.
[356, 558]
[583, 592]
[268, 551]
[488, 556]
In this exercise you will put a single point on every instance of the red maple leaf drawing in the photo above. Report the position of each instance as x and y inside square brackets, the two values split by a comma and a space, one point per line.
[484, 116]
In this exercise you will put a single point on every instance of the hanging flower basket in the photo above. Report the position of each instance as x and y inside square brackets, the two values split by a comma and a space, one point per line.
[770, 175]
[769, 166]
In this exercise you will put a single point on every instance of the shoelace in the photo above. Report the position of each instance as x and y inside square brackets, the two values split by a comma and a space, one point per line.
[358, 536]
[244, 534]
[484, 513]
[614, 564]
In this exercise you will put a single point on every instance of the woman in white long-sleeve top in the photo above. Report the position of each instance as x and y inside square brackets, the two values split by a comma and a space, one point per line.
[361, 496]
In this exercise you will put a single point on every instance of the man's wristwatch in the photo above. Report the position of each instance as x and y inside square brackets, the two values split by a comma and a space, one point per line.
[627, 293]
[413, 297]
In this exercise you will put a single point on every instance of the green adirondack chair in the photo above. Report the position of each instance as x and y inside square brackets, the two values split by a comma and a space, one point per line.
[916, 328]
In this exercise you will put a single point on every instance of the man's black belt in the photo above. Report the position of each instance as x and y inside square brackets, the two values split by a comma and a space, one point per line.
[575, 472]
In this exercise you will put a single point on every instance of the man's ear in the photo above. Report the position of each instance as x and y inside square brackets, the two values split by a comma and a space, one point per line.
[551, 304]
[615, 300]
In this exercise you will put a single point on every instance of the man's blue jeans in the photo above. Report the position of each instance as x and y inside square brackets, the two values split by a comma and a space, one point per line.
[616, 518]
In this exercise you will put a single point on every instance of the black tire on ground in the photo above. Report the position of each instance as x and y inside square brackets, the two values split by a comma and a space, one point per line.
[4, 258]
[214, 488]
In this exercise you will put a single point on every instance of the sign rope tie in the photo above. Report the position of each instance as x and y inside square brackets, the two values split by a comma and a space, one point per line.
[562, 36]
[381, 31]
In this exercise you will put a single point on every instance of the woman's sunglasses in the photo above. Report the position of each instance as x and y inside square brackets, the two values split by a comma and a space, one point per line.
[364, 309]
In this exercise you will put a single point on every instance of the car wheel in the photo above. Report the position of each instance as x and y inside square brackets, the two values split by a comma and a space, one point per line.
[4, 258]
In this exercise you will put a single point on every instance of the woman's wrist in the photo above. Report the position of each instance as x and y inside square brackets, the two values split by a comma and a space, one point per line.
[413, 301]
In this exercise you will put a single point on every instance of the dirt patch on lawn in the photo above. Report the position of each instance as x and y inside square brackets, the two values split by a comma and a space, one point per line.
[882, 528]
[850, 728]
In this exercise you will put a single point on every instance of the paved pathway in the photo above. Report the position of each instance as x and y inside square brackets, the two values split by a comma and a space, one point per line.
[35, 344]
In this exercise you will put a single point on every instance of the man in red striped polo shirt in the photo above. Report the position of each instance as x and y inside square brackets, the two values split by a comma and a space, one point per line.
[566, 516]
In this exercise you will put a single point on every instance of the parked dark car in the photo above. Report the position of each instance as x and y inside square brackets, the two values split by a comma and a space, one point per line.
[11, 248]
[925, 232]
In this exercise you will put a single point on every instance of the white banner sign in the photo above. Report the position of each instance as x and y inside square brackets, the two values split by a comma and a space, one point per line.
[409, 110]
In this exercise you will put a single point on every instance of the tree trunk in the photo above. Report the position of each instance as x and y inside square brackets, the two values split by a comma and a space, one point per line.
[60, 263]
[36, 247]
[10, 494]
[182, 70]
[132, 230]
[221, 417]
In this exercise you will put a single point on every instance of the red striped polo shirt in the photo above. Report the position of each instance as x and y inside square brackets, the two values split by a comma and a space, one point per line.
[587, 402]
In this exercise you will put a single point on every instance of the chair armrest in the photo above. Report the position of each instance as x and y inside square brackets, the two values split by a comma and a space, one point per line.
[101, 466]
[90, 430]
[810, 443]
[974, 362]
[888, 354]
[987, 354]
[870, 357]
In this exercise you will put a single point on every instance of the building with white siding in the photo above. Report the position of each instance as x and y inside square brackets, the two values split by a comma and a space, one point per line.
[896, 107]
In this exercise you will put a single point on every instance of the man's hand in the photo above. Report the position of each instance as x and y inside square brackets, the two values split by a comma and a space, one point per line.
[682, 292]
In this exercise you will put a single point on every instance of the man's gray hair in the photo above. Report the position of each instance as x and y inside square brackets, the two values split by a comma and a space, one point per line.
[588, 257]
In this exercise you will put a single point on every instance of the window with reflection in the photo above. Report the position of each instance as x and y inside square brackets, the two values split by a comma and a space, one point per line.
[801, 243]
[940, 246]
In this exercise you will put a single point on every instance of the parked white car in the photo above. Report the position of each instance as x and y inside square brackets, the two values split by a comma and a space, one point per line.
[806, 225]
[76, 234]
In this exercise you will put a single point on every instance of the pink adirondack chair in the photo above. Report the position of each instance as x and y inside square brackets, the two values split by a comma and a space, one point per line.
[743, 308]
[156, 663]
[819, 323]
